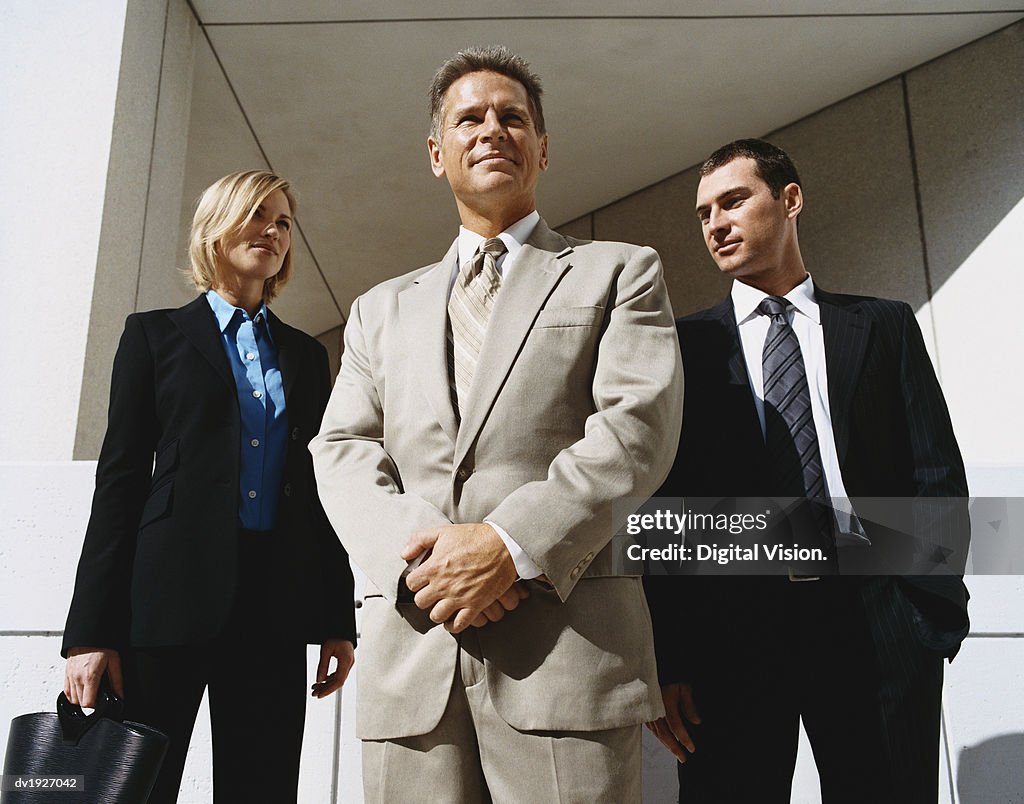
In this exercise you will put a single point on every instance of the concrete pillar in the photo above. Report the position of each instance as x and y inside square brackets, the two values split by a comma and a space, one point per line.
[144, 183]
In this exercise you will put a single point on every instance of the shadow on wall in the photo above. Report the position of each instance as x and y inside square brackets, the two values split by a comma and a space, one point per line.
[991, 771]
[971, 175]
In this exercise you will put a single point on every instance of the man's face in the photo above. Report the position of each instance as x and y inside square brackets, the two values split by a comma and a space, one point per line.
[489, 150]
[745, 228]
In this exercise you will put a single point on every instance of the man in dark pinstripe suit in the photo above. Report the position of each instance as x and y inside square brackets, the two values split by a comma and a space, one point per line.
[858, 658]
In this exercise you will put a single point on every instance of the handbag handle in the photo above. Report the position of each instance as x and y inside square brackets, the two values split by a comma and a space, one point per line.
[74, 722]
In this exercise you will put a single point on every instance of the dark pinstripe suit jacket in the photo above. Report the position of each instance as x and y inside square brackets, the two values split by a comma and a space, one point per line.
[893, 436]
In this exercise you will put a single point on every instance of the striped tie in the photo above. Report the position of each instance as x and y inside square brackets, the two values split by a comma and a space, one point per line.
[791, 439]
[469, 308]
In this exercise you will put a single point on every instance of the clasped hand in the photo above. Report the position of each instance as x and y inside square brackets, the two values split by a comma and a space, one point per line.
[468, 579]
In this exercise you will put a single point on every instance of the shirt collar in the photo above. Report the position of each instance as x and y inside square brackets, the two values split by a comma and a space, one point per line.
[225, 312]
[746, 298]
[513, 237]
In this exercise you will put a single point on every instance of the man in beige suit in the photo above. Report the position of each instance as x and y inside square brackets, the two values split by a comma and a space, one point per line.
[489, 411]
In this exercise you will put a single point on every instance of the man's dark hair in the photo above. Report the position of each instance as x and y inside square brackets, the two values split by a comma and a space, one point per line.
[495, 59]
[774, 167]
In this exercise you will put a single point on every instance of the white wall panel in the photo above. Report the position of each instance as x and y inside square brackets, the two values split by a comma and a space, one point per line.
[59, 81]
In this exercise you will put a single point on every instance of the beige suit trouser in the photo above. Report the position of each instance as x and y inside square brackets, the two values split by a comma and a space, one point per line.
[474, 756]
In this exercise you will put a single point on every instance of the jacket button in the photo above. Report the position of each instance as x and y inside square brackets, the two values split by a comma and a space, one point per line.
[295, 434]
[578, 569]
[287, 489]
[463, 474]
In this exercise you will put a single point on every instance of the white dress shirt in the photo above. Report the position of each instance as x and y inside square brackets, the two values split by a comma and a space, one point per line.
[805, 318]
[513, 238]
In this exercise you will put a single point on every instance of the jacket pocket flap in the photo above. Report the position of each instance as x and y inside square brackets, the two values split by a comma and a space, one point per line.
[568, 317]
[158, 504]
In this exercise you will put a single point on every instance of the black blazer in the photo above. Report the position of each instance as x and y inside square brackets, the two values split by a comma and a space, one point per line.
[893, 437]
[160, 557]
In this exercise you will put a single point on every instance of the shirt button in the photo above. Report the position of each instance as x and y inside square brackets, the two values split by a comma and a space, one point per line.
[462, 473]
[250, 356]
[255, 442]
[252, 495]
[287, 489]
[295, 434]
[257, 394]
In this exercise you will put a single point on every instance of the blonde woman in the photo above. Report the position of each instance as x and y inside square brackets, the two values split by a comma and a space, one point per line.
[208, 562]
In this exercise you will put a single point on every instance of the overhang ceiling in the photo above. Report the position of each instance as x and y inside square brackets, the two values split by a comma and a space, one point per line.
[333, 96]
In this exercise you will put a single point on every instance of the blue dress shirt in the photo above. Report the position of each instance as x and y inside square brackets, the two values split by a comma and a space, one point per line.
[250, 348]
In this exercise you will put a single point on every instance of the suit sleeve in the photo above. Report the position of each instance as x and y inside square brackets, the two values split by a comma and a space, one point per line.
[338, 583]
[673, 601]
[938, 465]
[941, 520]
[99, 615]
[360, 485]
[628, 443]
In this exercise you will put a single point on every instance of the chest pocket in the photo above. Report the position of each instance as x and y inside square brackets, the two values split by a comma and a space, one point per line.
[568, 317]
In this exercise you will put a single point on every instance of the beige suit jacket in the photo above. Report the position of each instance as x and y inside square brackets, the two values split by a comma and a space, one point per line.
[576, 403]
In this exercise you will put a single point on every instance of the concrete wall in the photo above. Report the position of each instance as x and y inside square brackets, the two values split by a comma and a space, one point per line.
[56, 135]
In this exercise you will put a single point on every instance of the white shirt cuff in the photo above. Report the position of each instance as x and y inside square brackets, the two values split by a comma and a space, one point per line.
[524, 564]
[849, 530]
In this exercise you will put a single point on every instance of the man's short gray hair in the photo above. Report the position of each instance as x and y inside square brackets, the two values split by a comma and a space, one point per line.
[493, 58]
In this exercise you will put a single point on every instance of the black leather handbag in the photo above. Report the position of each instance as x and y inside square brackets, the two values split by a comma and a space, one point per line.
[73, 758]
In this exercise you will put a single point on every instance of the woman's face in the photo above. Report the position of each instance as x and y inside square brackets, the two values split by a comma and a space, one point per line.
[257, 252]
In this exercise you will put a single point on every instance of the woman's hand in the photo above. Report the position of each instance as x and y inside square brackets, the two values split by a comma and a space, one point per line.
[84, 670]
[344, 653]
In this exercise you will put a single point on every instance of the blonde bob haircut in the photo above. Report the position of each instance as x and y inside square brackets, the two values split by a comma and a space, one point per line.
[224, 208]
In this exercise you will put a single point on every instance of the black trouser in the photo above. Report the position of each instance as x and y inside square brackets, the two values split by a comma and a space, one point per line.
[257, 695]
[841, 654]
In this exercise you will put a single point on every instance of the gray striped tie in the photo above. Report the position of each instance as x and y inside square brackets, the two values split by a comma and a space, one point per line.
[792, 440]
[469, 308]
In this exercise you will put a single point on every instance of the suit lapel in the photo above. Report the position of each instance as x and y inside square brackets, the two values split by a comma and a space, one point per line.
[737, 376]
[288, 357]
[537, 269]
[736, 364]
[197, 323]
[846, 334]
[423, 312]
